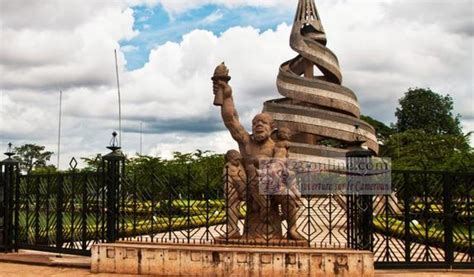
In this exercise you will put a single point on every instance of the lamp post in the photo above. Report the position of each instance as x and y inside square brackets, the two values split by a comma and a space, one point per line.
[9, 172]
[113, 165]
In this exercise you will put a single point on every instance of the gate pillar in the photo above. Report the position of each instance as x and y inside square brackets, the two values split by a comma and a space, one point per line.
[359, 206]
[113, 165]
[9, 172]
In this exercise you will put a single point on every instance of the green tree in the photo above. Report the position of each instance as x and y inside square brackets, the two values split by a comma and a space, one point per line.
[423, 109]
[197, 173]
[418, 150]
[45, 169]
[33, 157]
[382, 131]
[204, 167]
[93, 163]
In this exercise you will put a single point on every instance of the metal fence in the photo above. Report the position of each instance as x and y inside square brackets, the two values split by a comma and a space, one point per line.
[60, 212]
[164, 212]
[425, 222]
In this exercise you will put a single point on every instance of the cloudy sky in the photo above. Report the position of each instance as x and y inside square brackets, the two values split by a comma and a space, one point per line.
[167, 50]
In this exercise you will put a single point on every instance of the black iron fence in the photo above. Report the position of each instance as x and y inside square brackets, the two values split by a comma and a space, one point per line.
[60, 212]
[425, 222]
[164, 212]
[8, 180]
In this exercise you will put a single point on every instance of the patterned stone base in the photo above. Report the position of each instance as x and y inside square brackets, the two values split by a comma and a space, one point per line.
[220, 260]
[261, 242]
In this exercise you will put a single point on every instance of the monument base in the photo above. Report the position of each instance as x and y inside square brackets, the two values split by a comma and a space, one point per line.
[220, 260]
[283, 242]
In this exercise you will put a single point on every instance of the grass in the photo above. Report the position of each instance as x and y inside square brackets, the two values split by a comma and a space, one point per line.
[136, 220]
[432, 234]
[461, 209]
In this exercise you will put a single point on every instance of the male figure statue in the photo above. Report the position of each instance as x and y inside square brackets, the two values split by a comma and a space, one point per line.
[263, 216]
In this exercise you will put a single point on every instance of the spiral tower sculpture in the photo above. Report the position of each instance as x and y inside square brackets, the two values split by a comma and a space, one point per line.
[323, 114]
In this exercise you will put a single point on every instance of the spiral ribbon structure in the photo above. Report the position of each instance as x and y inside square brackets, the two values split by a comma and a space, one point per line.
[316, 108]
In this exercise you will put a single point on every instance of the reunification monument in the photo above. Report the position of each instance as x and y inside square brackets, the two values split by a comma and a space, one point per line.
[315, 112]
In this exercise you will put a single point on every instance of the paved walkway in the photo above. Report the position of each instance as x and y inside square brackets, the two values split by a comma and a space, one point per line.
[30, 257]
[423, 273]
[14, 270]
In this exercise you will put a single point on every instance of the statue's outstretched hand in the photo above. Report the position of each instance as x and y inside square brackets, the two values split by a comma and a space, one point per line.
[223, 87]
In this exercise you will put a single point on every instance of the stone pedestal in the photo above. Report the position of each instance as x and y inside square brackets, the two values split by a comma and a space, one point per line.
[220, 260]
[283, 242]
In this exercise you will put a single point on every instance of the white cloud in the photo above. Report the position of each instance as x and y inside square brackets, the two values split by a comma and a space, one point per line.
[218, 142]
[177, 77]
[180, 6]
[213, 17]
[129, 48]
[454, 16]
[69, 56]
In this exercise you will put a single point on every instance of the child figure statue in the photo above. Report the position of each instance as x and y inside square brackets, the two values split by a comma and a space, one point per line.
[282, 145]
[235, 189]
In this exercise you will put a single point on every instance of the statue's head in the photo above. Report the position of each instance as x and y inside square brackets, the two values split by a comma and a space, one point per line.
[262, 126]
[284, 133]
[233, 157]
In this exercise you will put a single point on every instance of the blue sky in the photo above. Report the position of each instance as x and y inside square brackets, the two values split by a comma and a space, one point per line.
[156, 26]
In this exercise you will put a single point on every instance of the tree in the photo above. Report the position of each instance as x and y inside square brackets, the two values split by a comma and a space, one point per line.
[33, 157]
[205, 168]
[197, 174]
[382, 131]
[423, 109]
[415, 149]
[92, 164]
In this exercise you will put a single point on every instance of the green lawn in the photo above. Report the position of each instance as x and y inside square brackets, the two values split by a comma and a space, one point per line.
[432, 234]
[137, 219]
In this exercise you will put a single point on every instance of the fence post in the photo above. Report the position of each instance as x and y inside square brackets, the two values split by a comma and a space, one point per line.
[113, 169]
[8, 209]
[359, 207]
[448, 218]
[407, 195]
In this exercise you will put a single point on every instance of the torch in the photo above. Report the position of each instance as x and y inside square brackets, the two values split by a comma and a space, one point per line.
[220, 73]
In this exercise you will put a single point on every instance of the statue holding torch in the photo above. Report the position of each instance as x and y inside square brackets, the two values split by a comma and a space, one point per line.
[263, 219]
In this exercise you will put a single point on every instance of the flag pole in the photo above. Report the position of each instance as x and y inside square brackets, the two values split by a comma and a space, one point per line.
[119, 100]
[141, 138]
[59, 127]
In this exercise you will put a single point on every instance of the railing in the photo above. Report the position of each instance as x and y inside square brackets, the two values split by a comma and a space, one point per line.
[426, 222]
[62, 212]
[163, 211]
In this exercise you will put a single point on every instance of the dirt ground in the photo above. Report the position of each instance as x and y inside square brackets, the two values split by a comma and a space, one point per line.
[13, 269]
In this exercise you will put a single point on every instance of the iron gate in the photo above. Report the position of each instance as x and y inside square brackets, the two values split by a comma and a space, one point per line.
[60, 212]
[426, 222]
[63, 212]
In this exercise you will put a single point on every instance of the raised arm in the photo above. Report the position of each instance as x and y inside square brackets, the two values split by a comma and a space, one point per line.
[229, 113]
